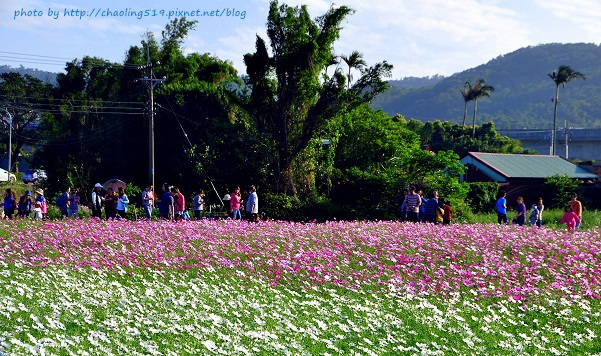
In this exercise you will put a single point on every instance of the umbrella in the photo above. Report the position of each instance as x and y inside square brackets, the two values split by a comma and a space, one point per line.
[114, 183]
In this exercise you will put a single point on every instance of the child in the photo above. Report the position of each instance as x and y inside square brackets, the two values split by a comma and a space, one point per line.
[533, 215]
[447, 215]
[40, 205]
[73, 209]
[439, 212]
[570, 219]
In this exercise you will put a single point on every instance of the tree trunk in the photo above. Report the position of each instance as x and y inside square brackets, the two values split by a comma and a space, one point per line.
[554, 133]
[474, 123]
[464, 115]
[284, 175]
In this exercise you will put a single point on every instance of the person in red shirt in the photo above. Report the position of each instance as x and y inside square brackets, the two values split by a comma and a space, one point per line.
[447, 214]
[576, 208]
[179, 204]
[570, 219]
[235, 202]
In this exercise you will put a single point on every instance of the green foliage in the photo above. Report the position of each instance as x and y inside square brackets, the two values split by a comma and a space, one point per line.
[482, 196]
[377, 156]
[292, 94]
[280, 206]
[559, 188]
[437, 135]
[133, 192]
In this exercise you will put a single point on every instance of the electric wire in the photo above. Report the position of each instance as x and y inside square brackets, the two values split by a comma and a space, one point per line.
[62, 61]
[191, 146]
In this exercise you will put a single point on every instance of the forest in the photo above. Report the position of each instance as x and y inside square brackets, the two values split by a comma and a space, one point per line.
[298, 124]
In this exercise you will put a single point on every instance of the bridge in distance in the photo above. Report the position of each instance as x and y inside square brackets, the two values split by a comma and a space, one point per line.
[572, 143]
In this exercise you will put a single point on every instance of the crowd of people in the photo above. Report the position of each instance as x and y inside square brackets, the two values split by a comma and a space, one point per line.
[171, 204]
[416, 208]
[572, 217]
[26, 205]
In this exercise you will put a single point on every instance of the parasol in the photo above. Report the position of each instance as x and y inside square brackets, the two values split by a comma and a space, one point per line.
[114, 184]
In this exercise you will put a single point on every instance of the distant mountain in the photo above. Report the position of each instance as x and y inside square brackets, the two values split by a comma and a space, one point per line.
[416, 82]
[46, 77]
[522, 98]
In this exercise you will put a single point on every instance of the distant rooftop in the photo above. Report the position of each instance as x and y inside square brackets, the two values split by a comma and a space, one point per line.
[516, 166]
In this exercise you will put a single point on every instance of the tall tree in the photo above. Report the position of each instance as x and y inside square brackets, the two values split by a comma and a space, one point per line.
[479, 90]
[353, 61]
[291, 82]
[561, 76]
[466, 92]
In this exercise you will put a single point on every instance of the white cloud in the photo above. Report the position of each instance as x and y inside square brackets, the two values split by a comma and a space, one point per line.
[583, 15]
[419, 38]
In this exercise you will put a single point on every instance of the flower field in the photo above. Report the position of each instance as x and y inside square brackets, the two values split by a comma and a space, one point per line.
[226, 287]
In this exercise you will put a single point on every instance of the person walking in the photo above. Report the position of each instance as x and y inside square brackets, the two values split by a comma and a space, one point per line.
[40, 206]
[576, 208]
[179, 204]
[63, 202]
[521, 209]
[570, 218]
[10, 203]
[148, 201]
[447, 216]
[122, 203]
[199, 204]
[110, 204]
[501, 207]
[166, 205]
[235, 202]
[97, 200]
[539, 209]
[252, 205]
[432, 208]
[73, 209]
[413, 202]
[25, 204]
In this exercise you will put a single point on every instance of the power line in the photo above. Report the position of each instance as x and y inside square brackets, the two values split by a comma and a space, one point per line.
[62, 61]
[35, 55]
[67, 100]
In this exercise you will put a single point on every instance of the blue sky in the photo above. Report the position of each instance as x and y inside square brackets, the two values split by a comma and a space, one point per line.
[419, 37]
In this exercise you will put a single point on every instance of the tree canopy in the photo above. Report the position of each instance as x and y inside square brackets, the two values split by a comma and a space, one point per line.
[292, 95]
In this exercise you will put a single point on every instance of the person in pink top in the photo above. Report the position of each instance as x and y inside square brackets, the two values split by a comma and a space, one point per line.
[179, 204]
[570, 219]
[235, 202]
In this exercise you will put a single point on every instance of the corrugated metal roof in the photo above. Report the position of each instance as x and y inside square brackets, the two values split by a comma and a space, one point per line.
[531, 166]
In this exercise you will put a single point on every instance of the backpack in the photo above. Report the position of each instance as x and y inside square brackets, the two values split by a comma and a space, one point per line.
[60, 200]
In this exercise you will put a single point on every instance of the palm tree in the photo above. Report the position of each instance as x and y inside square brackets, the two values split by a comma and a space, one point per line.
[560, 76]
[479, 90]
[466, 91]
[354, 60]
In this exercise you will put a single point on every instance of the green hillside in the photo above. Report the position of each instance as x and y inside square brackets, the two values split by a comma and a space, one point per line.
[45, 77]
[522, 98]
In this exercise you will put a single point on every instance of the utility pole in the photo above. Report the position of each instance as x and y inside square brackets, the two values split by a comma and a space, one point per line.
[10, 137]
[566, 129]
[151, 82]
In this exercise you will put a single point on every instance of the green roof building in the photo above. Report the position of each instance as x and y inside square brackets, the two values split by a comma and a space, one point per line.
[518, 168]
